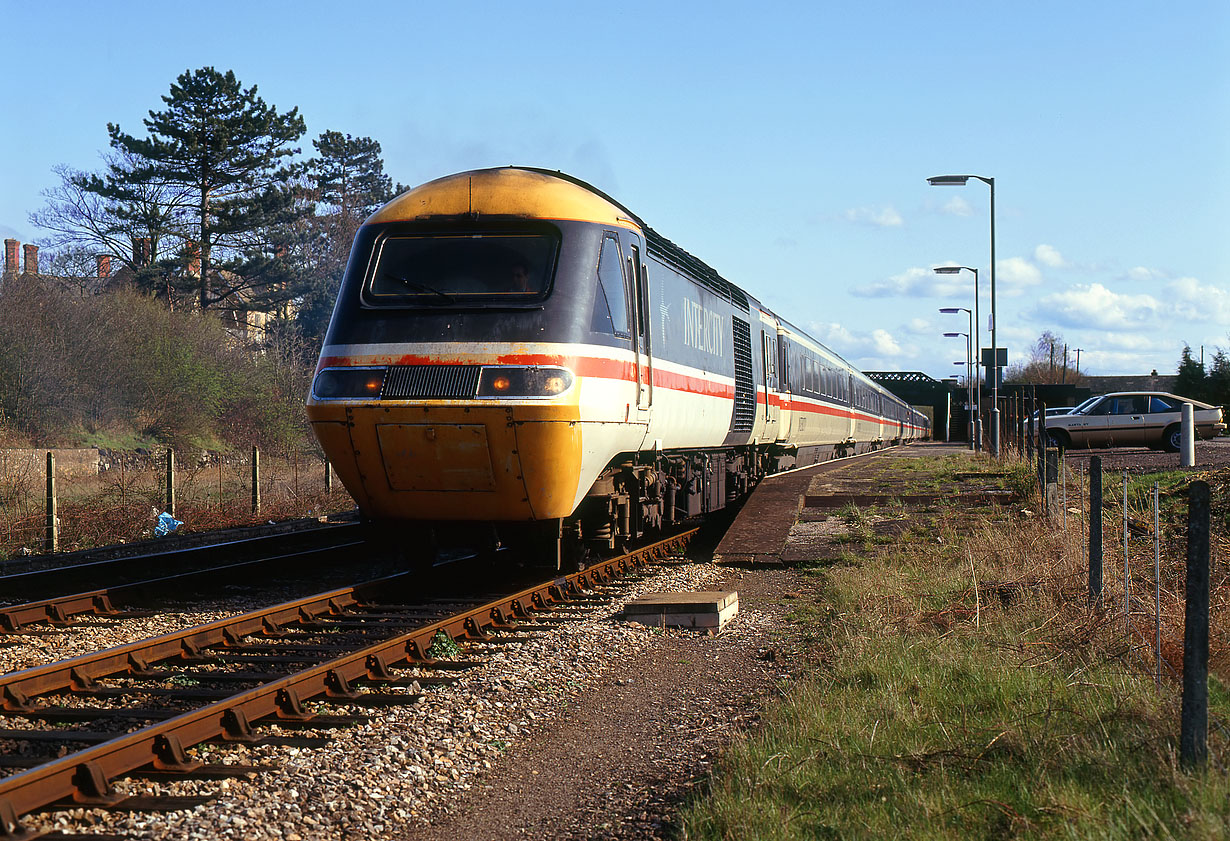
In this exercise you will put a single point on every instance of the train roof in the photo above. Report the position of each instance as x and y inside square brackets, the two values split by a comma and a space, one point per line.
[542, 194]
[506, 191]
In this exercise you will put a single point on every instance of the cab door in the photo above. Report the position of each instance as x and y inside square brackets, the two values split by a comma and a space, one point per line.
[785, 417]
[772, 402]
[642, 340]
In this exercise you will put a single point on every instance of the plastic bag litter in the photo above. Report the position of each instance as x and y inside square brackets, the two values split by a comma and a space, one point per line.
[166, 524]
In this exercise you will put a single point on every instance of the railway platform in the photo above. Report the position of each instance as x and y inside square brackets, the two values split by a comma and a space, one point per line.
[764, 532]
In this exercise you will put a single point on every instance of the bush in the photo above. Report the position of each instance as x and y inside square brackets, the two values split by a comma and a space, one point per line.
[124, 365]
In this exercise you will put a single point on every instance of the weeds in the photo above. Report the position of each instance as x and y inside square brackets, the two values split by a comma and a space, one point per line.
[966, 690]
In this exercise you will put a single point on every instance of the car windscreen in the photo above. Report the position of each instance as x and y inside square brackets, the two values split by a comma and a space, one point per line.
[462, 269]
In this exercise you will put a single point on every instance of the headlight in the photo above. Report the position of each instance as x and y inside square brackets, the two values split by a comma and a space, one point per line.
[348, 384]
[524, 382]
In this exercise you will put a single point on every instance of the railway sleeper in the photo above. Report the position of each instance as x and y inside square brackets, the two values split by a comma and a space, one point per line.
[137, 803]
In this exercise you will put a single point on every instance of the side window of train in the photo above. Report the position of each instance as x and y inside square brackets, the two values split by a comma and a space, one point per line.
[610, 299]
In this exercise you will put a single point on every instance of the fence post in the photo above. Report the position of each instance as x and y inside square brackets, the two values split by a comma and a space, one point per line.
[1127, 573]
[1029, 433]
[1157, 576]
[256, 480]
[1018, 431]
[170, 509]
[1042, 449]
[1193, 734]
[1050, 488]
[1095, 530]
[51, 540]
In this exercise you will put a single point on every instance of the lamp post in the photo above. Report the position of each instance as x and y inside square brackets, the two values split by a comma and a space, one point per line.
[969, 381]
[976, 338]
[960, 181]
[975, 437]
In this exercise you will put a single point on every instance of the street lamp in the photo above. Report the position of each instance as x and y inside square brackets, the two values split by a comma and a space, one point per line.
[975, 435]
[969, 382]
[960, 181]
[976, 330]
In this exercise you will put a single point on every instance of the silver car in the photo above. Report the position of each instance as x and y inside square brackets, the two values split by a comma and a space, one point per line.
[1132, 419]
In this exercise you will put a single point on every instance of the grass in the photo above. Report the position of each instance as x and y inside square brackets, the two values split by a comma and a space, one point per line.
[961, 689]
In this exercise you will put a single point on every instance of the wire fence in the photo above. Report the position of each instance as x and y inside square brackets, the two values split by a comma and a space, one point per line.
[1135, 537]
[68, 500]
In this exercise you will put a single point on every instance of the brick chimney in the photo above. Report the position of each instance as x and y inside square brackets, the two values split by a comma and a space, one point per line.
[10, 256]
[31, 258]
[104, 266]
[142, 251]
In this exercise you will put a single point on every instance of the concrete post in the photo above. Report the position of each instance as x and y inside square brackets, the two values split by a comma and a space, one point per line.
[1187, 451]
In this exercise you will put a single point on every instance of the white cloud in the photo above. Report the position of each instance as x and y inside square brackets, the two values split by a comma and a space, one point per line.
[919, 326]
[1191, 300]
[1049, 256]
[1145, 274]
[1017, 274]
[957, 206]
[1093, 305]
[918, 282]
[885, 217]
[884, 343]
[873, 350]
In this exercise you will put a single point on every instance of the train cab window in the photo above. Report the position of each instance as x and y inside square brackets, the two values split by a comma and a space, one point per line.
[610, 299]
[466, 269]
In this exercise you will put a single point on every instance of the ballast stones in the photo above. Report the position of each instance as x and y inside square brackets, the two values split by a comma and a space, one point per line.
[707, 611]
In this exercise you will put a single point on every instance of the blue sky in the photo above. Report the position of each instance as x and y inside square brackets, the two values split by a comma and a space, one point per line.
[786, 144]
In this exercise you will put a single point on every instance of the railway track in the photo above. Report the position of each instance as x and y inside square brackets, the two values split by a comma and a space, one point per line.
[56, 594]
[223, 681]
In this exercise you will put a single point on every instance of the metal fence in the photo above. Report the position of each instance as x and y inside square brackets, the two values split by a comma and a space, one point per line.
[1147, 554]
[66, 500]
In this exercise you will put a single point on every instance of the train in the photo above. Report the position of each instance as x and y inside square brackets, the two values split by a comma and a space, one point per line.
[517, 359]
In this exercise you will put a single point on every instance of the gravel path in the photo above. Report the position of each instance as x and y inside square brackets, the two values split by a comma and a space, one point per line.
[1209, 455]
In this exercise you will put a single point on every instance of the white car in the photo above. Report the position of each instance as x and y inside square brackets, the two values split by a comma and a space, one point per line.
[1132, 419]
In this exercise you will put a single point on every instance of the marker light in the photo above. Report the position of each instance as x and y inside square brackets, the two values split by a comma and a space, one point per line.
[348, 383]
[524, 382]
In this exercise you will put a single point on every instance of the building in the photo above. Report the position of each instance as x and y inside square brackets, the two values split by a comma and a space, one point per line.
[246, 325]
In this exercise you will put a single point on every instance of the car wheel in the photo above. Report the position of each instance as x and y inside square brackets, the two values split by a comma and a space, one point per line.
[1059, 439]
[1172, 438]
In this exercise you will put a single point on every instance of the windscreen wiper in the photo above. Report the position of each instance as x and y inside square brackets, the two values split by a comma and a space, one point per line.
[420, 287]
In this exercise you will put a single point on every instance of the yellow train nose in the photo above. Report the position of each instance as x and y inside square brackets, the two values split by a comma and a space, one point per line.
[520, 462]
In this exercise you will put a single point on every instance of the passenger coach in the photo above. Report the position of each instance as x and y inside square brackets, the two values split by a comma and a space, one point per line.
[513, 347]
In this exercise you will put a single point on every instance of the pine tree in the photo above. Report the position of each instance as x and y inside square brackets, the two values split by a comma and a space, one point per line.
[1219, 379]
[1191, 377]
[349, 174]
[221, 149]
[348, 183]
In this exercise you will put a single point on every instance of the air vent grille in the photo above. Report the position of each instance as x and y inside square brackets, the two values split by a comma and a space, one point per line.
[431, 382]
[745, 385]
